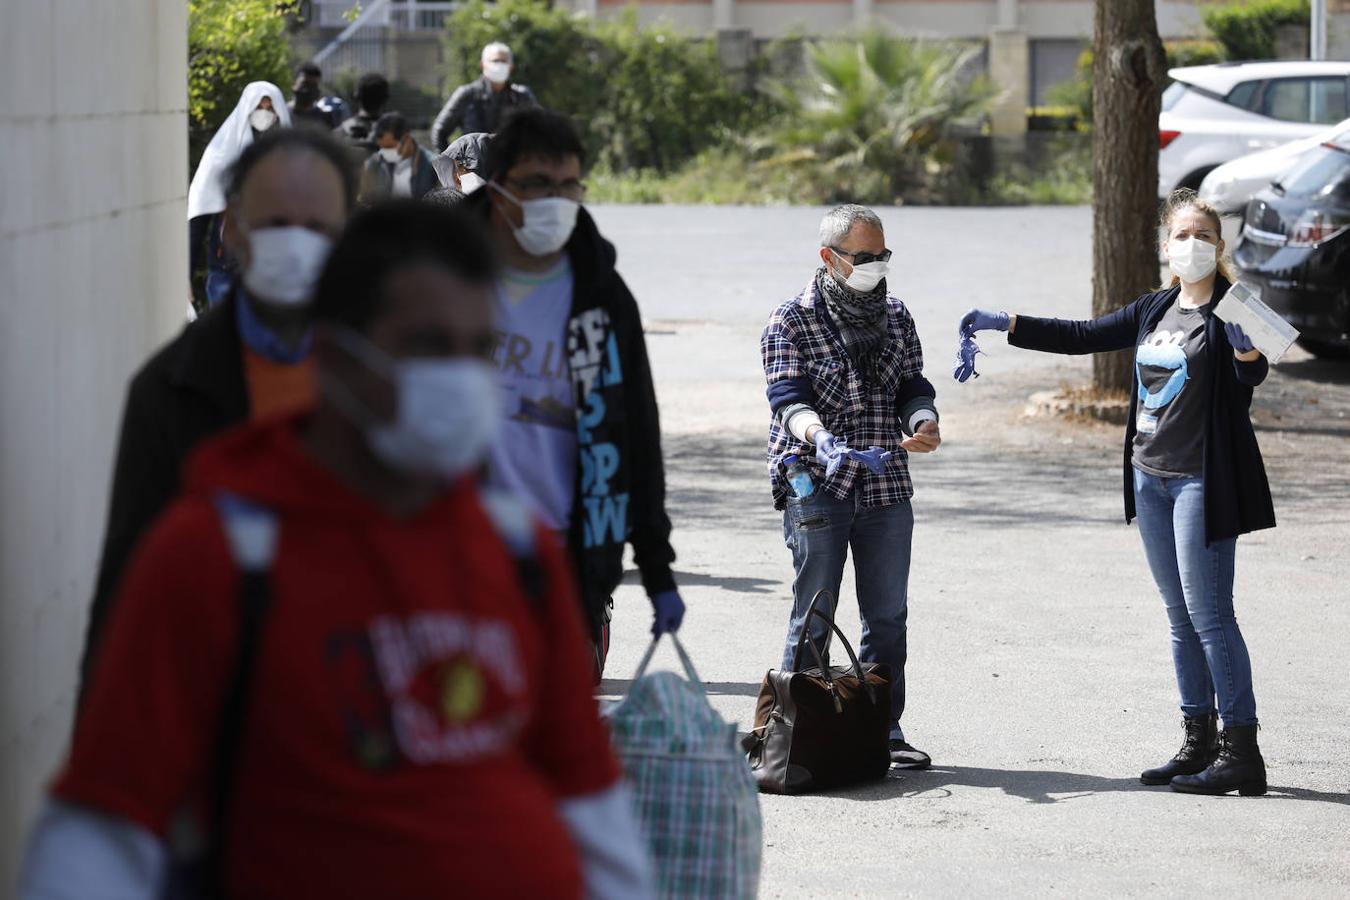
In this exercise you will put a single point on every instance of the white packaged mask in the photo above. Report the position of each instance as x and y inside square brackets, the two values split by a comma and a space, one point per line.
[449, 411]
[549, 222]
[284, 264]
[262, 119]
[1192, 260]
[390, 155]
[470, 182]
[497, 72]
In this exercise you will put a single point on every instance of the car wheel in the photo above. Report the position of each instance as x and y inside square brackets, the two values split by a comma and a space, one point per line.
[1325, 349]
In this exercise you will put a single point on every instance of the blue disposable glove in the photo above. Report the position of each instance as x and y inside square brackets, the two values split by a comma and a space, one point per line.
[874, 458]
[965, 359]
[669, 612]
[1238, 338]
[983, 320]
[828, 451]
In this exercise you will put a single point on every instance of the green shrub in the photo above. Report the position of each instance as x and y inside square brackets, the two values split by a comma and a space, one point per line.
[1247, 30]
[230, 43]
[873, 116]
[1194, 52]
[644, 98]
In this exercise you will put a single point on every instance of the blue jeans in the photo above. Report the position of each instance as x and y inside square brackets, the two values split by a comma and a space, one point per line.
[1196, 583]
[819, 531]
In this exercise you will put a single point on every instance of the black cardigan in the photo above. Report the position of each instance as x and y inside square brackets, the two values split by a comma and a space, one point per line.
[1237, 494]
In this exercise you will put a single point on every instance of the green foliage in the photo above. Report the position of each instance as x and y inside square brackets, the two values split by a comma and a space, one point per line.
[644, 98]
[1247, 29]
[230, 43]
[1194, 53]
[873, 116]
[1064, 179]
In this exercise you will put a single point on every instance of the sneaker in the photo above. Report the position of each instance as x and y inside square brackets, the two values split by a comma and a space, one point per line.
[903, 756]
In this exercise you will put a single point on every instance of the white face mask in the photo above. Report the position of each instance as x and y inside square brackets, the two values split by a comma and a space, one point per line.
[1192, 260]
[284, 264]
[497, 72]
[469, 182]
[390, 154]
[262, 119]
[867, 276]
[549, 222]
[449, 410]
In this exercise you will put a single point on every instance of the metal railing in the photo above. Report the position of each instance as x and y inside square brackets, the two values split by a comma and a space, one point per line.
[399, 15]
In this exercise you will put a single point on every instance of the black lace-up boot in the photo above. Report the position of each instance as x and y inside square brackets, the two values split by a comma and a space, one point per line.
[1239, 767]
[1195, 755]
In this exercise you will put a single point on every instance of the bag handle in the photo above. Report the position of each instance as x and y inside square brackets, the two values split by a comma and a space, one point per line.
[805, 640]
[646, 660]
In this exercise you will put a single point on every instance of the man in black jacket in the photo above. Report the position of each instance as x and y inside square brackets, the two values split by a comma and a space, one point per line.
[289, 196]
[481, 106]
[582, 441]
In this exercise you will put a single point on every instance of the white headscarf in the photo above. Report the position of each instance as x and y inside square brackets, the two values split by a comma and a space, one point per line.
[207, 193]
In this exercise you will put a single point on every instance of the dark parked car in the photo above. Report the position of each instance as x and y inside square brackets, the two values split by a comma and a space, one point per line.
[1295, 247]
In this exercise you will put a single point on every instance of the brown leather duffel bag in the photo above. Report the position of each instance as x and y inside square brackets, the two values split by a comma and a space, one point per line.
[823, 727]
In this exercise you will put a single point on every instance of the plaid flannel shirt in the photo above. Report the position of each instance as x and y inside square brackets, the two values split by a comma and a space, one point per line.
[800, 341]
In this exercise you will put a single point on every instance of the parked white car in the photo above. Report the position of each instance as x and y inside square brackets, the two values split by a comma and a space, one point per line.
[1214, 114]
[1231, 185]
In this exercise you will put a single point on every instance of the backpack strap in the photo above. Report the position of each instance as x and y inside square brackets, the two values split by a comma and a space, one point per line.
[251, 531]
[515, 526]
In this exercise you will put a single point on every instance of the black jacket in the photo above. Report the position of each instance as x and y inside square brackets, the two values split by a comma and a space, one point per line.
[191, 389]
[476, 108]
[1237, 494]
[620, 481]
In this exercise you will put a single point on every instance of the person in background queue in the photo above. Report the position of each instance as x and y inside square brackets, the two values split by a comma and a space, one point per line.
[847, 397]
[462, 164]
[400, 167]
[481, 106]
[289, 194]
[372, 94]
[260, 109]
[582, 437]
[307, 100]
[1194, 477]
[407, 716]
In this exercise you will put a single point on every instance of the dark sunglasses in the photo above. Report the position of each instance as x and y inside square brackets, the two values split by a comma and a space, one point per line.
[862, 257]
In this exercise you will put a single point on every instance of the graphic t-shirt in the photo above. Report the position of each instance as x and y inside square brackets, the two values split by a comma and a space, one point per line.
[415, 717]
[1172, 366]
[535, 457]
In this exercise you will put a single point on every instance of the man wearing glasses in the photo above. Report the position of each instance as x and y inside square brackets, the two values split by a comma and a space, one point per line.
[581, 440]
[849, 400]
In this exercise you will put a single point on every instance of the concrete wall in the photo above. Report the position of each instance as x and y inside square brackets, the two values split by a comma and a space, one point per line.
[93, 275]
[969, 19]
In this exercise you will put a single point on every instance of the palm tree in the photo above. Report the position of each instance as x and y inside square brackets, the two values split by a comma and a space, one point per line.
[873, 109]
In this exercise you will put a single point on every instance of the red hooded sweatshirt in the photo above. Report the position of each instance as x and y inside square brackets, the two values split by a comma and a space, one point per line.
[415, 717]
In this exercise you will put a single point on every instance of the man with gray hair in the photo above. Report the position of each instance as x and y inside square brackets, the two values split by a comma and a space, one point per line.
[849, 404]
[480, 106]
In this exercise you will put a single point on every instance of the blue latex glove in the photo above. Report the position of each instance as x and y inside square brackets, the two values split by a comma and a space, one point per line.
[965, 359]
[669, 612]
[983, 320]
[1238, 338]
[829, 453]
[873, 457]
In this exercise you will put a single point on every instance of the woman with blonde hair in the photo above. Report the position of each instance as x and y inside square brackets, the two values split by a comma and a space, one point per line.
[1194, 478]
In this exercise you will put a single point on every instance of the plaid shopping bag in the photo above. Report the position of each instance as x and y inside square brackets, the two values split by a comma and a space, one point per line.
[696, 798]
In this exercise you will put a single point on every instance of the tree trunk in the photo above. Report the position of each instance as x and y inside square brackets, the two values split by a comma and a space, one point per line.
[1128, 73]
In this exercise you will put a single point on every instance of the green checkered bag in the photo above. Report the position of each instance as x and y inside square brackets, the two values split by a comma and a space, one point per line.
[695, 796]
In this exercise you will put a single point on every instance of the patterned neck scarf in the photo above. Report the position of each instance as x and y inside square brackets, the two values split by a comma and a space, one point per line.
[861, 318]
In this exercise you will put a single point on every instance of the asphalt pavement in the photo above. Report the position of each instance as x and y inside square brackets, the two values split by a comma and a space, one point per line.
[1039, 675]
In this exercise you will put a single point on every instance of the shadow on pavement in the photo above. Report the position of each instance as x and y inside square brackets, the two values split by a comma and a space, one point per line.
[738, 584]
[1034, 786]
[617, 687]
